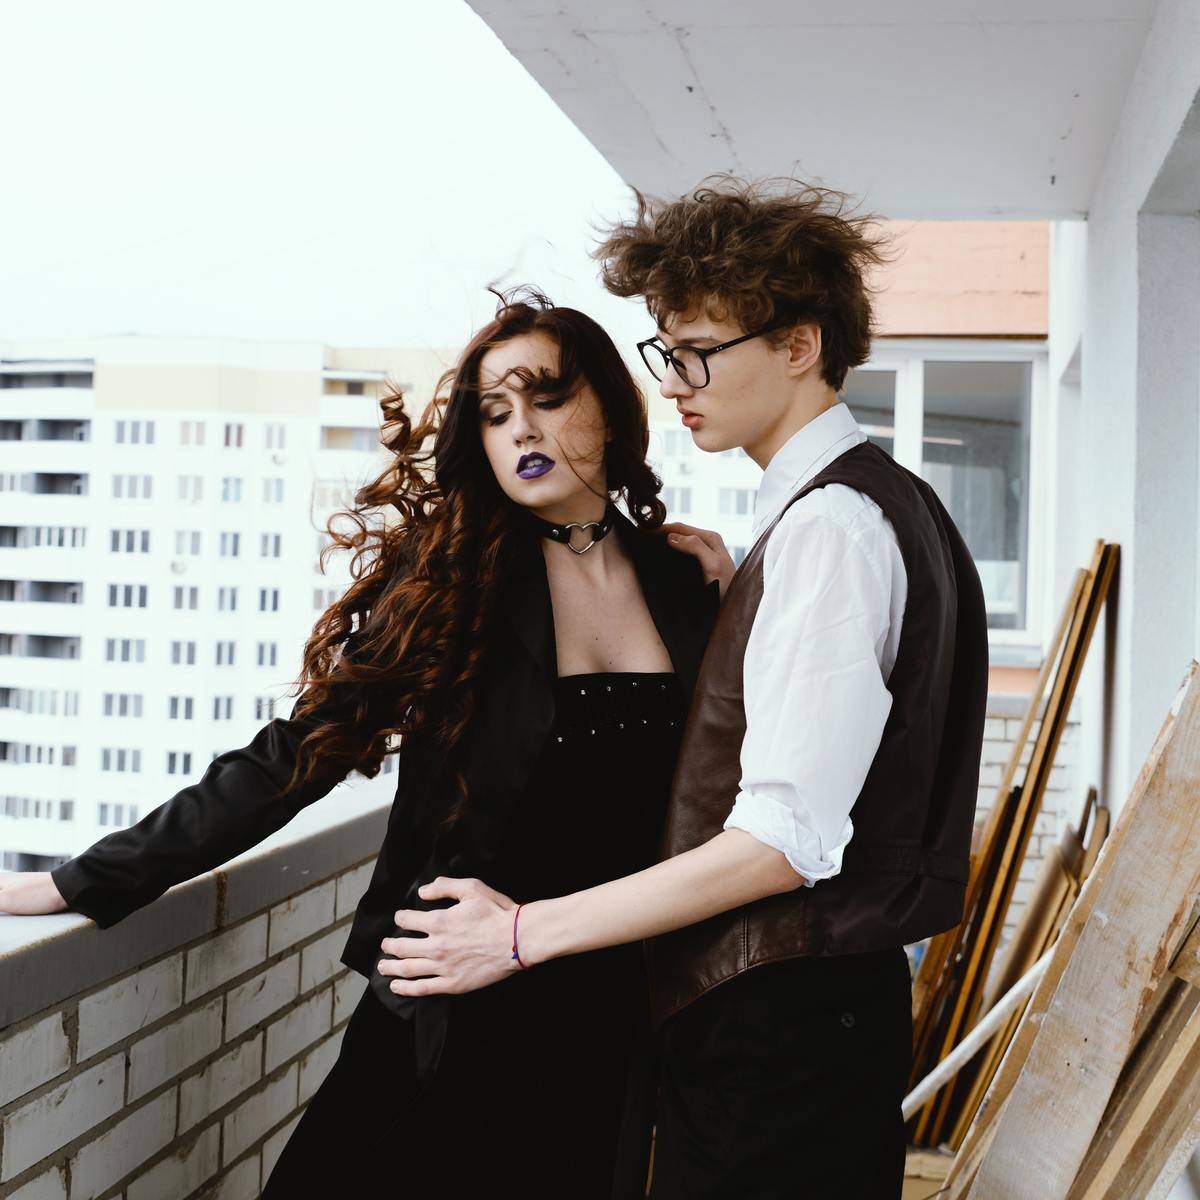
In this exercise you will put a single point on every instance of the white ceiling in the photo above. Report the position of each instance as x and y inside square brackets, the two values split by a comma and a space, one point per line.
[924, 108]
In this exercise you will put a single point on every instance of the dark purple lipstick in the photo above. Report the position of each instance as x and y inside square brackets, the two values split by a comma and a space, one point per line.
[531, 466]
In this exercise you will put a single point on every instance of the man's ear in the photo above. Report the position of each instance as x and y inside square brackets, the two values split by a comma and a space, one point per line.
[803, 347]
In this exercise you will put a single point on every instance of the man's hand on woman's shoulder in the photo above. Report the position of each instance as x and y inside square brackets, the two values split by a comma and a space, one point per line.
[30, 894]
[705, 545]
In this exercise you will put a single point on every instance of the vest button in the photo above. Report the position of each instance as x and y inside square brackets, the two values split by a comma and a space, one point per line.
[848, 1020]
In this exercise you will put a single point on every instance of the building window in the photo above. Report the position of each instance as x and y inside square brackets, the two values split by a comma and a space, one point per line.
[191, 488]
[269, 545]
[735, 502]
[179, 708]
[225, 652]
[183, 654]
[222, 708]
[227, 599]
[127, 595]
[231, 489]
[268, 599]
[272, 491]
[275, 434]
[264, 708]
[191, 433]
[233, 433]
[229, 544]
[267, 653]
[678, 500]
[179, 762]
[124, 650]
[187, 541]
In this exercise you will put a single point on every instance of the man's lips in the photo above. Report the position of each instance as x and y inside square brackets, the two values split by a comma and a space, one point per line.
[690, 419]
[530, 466]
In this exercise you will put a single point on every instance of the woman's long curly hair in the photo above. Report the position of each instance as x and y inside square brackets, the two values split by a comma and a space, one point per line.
[399, 652]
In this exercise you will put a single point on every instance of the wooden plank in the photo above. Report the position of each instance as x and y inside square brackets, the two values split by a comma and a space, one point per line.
[1123, 950]
[978, 1141]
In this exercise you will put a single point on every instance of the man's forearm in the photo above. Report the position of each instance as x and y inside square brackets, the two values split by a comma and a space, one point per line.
[730, 870]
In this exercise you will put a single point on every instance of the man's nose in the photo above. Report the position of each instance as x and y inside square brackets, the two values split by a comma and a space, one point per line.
[673, 386]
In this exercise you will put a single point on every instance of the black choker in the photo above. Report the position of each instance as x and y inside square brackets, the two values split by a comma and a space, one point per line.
[563, 533]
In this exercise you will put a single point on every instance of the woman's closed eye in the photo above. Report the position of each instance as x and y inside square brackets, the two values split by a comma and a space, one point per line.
[501, 417]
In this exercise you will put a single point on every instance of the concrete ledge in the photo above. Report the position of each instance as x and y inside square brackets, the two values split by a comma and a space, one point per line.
[44, 960]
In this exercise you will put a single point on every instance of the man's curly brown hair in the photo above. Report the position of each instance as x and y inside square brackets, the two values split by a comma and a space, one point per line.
[774, 251]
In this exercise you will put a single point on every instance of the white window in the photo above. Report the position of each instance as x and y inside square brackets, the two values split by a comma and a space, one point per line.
[272, 491]
[179, 708]
[229, 544]
[267, 653]
[735, 502]
[187, 541]
[264, 708]
[191, 433]
[678, 501]
[269, 545]
[233, 433]
[191, 488]
[225, 654]
[268, 599]
[231, 489]
[222, 708]
[275, 433]
[227, 599]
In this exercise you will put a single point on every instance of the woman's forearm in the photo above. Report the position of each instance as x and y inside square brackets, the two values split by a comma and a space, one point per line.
[730, 870]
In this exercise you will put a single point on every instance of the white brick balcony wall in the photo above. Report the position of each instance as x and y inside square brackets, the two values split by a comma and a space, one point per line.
[171, 1055]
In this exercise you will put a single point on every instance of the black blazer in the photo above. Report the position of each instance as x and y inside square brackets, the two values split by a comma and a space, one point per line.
[235, 805]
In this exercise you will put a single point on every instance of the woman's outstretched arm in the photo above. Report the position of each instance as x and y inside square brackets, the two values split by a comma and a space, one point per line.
[232, 807]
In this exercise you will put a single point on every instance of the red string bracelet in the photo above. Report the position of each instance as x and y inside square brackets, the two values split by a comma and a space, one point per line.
[515, 952]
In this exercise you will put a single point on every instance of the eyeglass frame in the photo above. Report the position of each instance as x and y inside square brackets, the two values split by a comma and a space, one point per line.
[704, 352]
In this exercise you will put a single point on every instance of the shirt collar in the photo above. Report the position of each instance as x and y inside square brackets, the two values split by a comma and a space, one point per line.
[808, 451]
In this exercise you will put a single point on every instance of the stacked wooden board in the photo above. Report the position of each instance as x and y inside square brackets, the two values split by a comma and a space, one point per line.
[952, 983]
[1098, 1094]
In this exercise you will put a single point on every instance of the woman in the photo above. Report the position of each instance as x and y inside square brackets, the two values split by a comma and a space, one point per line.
[535, 650]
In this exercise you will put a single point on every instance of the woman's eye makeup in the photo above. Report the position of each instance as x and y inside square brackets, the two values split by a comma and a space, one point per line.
[501, 417]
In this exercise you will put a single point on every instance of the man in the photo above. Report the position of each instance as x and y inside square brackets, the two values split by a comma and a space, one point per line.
[821, 812]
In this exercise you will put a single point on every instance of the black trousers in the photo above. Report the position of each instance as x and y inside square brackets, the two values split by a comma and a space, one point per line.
[786, 1081]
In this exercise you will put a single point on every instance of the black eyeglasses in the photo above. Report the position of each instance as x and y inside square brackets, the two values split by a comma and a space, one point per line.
[690, 362]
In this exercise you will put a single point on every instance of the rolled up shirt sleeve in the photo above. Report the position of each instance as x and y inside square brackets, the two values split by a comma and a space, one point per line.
[815, 694]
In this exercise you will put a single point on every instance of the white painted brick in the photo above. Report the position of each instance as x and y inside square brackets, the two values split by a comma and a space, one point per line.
[239, 1184]
[62, 1114]
[317, 1064]
[169, 1051]
[347, 992]
[996, 753]
[989, 776]
[993, 727]
[1028, 870]
[1012, 728]
[219, 1082]
[259, 997]
[123, 1148]
[299, 1028]
[128, 1005]
[182, 1171]
[266, 1108]
[350, 888]
[321, 960]
[273, 1146]
[1021, 894]
[1060, 777]
[301, 915]
[1026, 756]
[33, 1056]
[52, 1185]
[226, 955]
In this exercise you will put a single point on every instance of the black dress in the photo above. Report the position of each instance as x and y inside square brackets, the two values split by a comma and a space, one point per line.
[542, 1086]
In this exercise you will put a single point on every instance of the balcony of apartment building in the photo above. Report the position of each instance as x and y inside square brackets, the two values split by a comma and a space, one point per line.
[172, 1054]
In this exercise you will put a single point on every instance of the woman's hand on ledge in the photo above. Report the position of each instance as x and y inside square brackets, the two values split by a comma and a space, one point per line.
[29, 894]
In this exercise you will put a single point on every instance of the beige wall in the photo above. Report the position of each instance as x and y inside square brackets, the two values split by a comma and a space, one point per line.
[965, 279]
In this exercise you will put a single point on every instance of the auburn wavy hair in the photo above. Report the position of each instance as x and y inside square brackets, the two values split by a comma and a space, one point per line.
[755, 254]
[430, 541]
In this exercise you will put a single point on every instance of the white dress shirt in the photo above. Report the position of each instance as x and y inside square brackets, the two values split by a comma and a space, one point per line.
[819, 654]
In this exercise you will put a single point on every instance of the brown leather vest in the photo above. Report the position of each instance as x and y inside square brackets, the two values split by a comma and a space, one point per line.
[904, 870]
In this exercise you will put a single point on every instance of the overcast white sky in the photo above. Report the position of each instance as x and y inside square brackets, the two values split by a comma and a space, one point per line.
[352, 173]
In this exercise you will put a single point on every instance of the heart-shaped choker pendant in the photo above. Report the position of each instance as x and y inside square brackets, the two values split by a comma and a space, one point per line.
[564, 533]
